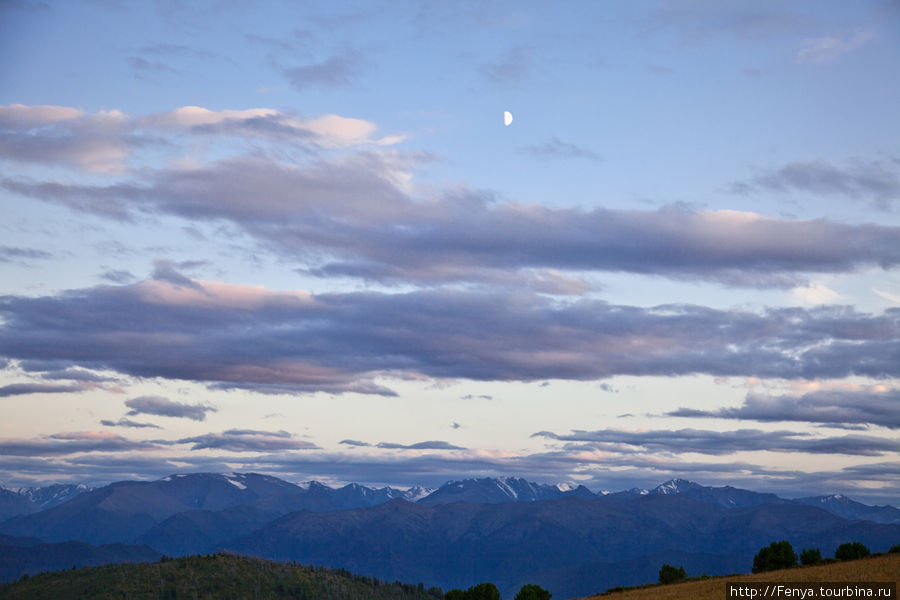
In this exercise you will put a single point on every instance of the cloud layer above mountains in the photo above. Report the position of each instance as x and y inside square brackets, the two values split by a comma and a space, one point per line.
[231, 335]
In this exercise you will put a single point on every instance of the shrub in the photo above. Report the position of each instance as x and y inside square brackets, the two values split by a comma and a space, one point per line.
[851, 550]
[894, 549]
[811, 556]
[777, 555]
[483, 591]
[533, 592]
[669, 574]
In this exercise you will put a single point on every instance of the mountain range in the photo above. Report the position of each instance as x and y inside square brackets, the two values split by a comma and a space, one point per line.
[506, 530]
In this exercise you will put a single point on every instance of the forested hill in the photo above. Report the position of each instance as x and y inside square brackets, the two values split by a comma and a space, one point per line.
[211, 577]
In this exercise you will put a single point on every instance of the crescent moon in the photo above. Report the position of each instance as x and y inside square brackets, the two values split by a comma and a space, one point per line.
[507, 117]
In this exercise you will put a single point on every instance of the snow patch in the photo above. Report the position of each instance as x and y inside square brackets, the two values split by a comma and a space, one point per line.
[232, 478]
[506, 489]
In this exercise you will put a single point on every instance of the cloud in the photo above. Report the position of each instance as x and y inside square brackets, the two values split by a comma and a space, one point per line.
[430, 445]
[168, 271]
[69, 443]
[352, 217]
[231, 336]
[510, 68]
[247, 440]
[697, 21]
[266, 123]
[826, 49]
[21, 389]
[141, 65]
[106, 141]
[123, 422]
[836, 407]
[355, 443]
[895, 298]
[725, 442]
[20, 116]
[877, 181]
[97, 143]
[177, 50]
[76, 375]
[338, 70]
[118, 276]
[103, 201]
[163, 407]
[13, 253]
[556, 148]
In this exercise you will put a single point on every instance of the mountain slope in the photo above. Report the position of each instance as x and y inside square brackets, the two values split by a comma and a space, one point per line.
[221, 577]
[456, 545]
[13, 504]
[195, 531]
[850, 509]
[16, 560]
[876, 568]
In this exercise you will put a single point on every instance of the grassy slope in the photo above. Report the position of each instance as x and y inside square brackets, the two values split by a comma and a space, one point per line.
[880, 568]
[213, 577]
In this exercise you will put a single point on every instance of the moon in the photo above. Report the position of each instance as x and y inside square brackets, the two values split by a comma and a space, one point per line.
[507, 117]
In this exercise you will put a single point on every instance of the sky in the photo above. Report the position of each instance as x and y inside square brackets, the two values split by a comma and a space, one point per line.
[297, 238]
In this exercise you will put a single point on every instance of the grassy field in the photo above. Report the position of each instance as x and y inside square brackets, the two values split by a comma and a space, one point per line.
[879, 568]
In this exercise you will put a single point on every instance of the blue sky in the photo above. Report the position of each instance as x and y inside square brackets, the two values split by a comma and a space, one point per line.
[297, 238]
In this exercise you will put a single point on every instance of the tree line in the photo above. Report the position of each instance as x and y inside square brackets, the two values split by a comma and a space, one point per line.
[489, 591]
[781, 555]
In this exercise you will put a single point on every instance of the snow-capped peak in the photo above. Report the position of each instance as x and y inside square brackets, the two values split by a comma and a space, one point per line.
[674, 486]
[416, 493]
[311, 484]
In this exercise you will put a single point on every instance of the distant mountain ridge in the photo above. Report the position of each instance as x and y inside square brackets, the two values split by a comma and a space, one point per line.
[501, 489]
[52, 495]
[26, 500]
[508, 530]
[274, 496]
[729, 497]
